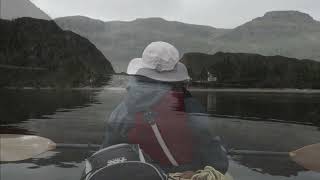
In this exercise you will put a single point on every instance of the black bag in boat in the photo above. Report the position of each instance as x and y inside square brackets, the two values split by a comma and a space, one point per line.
[121, 162]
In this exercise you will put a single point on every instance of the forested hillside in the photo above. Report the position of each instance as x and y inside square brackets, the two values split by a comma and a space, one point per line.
[253, 70]
[37, 52]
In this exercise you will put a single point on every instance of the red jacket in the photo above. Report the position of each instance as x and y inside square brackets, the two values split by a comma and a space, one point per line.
[171, 119]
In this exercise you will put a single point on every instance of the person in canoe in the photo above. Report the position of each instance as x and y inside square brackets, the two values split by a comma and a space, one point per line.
[161, 116]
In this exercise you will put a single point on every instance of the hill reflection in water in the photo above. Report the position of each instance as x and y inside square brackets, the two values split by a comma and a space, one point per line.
[78, 116]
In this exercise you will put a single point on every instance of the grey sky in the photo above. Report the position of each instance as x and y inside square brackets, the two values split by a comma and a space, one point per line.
[217, 13]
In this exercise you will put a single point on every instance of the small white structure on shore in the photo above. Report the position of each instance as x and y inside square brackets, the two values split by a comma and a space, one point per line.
[212, 77]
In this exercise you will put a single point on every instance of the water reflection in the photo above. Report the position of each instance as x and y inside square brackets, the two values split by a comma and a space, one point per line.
[17, 106]
[79, 116]
[294, 108]
[276, 166]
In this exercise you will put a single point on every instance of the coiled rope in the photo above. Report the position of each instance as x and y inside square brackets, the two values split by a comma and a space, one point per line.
[208, 173]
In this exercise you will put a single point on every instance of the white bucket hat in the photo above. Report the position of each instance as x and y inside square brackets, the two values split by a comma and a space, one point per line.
[160, 61]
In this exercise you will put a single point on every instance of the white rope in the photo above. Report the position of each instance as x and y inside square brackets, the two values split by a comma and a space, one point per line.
[209, 173]
[163, 145]
[141, 156]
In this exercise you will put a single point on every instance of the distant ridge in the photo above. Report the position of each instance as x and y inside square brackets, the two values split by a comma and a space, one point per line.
[120, 41]
[13, 9]
[286, 33]
[293, 16]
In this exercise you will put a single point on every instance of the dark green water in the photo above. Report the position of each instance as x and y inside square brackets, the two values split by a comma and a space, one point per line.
[256, 121]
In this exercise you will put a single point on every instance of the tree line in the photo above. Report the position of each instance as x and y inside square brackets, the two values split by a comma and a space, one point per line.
[253, 70]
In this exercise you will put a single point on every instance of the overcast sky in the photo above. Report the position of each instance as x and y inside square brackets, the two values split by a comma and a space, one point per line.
[217, 13]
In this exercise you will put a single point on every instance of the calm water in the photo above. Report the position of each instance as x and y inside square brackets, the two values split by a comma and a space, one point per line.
[255, 121]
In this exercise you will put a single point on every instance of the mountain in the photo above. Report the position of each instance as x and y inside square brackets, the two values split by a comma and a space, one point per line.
[253, 70]
[36, 52]
[286, 33]
[122, 41]
[12, 9]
